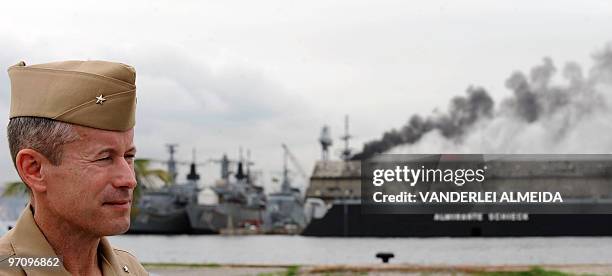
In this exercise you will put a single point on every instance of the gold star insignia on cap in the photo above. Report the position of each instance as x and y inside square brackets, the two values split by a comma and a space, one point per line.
[125, 268]
[100, 99]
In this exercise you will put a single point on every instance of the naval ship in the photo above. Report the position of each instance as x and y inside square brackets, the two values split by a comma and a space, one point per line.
[236, 203]
[285, 209]
[188, 208]
[335, 209]
[334, 206]
[163, 210]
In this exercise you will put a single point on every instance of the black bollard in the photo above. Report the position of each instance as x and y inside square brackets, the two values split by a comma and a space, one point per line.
[385, 256]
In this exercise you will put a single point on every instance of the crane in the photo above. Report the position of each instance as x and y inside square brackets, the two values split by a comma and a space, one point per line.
[286, 186]
[295, 161]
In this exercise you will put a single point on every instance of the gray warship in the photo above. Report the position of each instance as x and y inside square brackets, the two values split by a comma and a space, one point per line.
[285, 209]
[232, 203]
[163, 210]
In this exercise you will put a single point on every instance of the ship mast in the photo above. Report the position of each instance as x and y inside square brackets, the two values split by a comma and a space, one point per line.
[346, 153]
[193, 176]
[326, 141]
[172, 163]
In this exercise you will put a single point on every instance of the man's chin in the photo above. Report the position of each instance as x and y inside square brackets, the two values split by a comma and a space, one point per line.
[116, 229]
[114, 226]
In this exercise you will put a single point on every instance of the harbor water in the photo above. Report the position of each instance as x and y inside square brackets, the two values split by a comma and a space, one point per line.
[289, 250]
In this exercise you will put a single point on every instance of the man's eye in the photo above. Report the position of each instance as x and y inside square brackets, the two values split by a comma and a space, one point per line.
[105, 159]
[130, 157]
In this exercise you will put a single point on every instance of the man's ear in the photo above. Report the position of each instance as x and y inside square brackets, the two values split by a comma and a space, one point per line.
[29, 166]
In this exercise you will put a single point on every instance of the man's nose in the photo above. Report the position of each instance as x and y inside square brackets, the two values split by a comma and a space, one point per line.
[124, 174]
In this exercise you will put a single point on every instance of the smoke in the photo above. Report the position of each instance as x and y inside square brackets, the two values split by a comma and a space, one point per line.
[462, 113]
[549, 111]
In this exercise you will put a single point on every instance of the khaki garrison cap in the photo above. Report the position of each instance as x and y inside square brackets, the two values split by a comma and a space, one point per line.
[96, 94]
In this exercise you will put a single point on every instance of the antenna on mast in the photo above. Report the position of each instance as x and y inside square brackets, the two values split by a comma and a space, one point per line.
[248, 162]
[172, 163]
[346, 153]
[326, 141]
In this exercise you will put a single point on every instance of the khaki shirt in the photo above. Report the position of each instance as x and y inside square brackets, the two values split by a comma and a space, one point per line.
[26, 240]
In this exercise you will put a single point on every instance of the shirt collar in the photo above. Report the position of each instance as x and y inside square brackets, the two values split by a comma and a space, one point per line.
[29, 241]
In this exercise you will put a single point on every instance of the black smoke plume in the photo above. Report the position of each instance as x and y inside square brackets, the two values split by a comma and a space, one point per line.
[463, 111]
[534, 99]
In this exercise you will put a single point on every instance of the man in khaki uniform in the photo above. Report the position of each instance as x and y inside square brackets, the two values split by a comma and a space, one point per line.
[71, 139]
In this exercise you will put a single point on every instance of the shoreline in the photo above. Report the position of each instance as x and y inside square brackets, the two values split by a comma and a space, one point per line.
[376, 269]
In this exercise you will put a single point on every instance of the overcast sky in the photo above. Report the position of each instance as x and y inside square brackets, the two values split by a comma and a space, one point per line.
[224, 74]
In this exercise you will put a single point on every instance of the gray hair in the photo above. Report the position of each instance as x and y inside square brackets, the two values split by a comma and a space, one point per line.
[43, 135]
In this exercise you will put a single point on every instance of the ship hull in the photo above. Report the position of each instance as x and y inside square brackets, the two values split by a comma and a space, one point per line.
[211, 219]
[346, 220]
[174, 223]
[205, 219]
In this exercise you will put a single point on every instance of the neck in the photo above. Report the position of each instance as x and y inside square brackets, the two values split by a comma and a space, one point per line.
[77, 249]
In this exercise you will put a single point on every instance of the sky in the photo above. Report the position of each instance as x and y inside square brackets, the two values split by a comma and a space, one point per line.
[220, 75]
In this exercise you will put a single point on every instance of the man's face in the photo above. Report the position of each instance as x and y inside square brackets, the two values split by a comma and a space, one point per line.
[92, 187]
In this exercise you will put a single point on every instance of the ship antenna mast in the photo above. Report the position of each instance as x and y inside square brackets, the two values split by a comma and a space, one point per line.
[346, 153]
[172, 163]
[326, 141]
[193, 176]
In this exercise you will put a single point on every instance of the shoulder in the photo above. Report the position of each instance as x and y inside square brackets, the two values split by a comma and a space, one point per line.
[7, 251]
[6, 248]
[128, 259]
